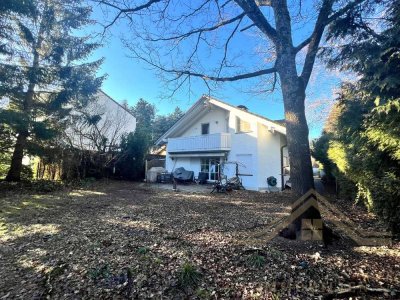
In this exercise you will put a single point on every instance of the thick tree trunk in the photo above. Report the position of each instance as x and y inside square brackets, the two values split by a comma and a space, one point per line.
[293, 92]
[301, 175]
[14, 173]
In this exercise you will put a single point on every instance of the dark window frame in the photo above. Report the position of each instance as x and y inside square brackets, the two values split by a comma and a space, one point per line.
[203, 127]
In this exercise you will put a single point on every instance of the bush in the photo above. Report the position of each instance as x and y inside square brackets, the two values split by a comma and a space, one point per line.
[364, 155]
[100, 272]
[255, 260]
[5, 159]
[38, 186]
[383, 195]
[188, 276]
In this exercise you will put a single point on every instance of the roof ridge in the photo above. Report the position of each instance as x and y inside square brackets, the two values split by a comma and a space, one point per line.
[116, 102]
[249, 112]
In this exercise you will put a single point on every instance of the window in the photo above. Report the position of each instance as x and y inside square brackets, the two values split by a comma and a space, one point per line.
[205, 128]
[242, 126]
[204, 165]
[210, 166]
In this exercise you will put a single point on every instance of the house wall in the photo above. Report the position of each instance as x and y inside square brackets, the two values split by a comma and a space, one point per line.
[269, 156]
[189, 163]
[285, 153]
[114, 123]
[258, 151]
[244, 150]
[216, 117]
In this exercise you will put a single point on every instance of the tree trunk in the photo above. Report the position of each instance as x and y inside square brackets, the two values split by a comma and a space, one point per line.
[301, 175]
[293, 92]
[14, 174]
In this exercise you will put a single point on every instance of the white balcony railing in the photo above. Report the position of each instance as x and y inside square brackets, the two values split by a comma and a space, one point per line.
[207, 142]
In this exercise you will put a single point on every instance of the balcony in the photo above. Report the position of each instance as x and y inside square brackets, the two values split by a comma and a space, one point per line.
[201, 143]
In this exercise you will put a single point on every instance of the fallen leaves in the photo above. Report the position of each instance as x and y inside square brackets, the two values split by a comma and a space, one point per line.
[124, 240]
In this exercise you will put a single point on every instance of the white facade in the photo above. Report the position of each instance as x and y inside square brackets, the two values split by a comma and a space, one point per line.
[114, 122]
[209, 133]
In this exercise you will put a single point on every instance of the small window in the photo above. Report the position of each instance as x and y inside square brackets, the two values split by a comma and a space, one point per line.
[205, 128]
[242, 126]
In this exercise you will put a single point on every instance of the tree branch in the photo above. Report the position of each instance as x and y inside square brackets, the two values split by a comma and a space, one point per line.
[206, 29]
[254, 13]
[302, 44]
[247, 27]
[344, 10]
[223, 62]
[125, 10]
[330, 19]
[180, 73]
[222, 79]
[315, 39]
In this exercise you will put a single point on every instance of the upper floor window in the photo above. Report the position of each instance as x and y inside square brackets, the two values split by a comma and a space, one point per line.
[242, 126]
[205, 128]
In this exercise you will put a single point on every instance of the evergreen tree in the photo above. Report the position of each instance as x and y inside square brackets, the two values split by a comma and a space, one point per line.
[363, 143]
[135, 146]
[44, 76]
[162, 123]
[145, 113]
[11, 8]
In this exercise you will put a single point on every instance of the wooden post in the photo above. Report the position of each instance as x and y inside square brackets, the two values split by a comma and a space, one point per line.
[145, 170]
[174, 184]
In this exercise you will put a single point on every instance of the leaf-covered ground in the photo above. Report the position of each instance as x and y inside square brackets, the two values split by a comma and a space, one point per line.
[121, 240]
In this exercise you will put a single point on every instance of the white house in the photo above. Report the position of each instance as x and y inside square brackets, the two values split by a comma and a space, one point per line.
[213, 132]
[105, 123]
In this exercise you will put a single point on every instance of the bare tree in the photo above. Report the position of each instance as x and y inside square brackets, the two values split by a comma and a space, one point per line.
[187, 39]
[98, 127]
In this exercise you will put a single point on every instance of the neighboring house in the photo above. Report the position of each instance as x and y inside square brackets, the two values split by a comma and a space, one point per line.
[213, 133]
[100, 125]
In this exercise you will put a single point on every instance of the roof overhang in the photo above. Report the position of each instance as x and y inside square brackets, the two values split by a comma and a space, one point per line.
[198, 109]
[262, 120]
[202, 106]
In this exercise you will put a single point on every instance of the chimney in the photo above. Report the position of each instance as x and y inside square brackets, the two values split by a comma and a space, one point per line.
[242, 107]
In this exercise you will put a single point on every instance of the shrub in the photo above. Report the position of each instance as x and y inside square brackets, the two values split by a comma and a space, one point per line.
[46, 186]
[143, 250]
[188, 276]
[39, 186]
[99, 272]
[255, 260]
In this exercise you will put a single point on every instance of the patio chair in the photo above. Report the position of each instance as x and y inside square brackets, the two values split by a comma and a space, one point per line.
[202, 178]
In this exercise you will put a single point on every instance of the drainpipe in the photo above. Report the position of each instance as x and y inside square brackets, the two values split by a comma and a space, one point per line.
[282, 170]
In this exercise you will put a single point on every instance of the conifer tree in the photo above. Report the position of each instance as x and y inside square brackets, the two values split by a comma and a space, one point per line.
[361, 144]
[45, 75]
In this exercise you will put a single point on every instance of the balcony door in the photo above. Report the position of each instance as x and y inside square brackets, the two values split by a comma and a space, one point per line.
[210, 166]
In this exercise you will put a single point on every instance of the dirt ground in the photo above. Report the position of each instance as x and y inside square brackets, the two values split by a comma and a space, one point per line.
[122, 240]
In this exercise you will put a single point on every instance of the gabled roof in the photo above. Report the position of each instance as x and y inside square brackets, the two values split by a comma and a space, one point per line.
[116, 102]
[204, 102]
[276, 122]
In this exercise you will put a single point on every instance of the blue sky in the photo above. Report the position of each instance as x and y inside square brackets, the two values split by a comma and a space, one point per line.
[130, 79]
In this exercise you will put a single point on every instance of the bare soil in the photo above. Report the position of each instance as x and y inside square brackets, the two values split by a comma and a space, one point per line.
[123, 240]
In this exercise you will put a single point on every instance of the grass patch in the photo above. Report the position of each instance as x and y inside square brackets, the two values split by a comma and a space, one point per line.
[255, 260]
[189, 276]
[99, 273]
[143, 250]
